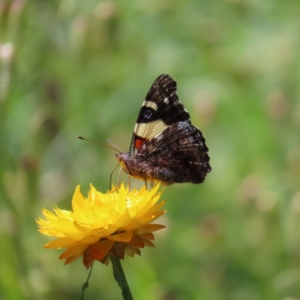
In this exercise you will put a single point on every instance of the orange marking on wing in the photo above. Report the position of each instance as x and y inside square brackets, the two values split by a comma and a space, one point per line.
[138, 143]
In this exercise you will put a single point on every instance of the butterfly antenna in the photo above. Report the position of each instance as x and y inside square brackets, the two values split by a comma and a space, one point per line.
[115, 148]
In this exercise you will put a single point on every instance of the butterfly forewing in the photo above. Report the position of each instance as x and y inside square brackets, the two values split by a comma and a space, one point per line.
[160, 109]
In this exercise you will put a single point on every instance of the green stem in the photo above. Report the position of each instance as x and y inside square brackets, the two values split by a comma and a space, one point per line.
[120, 278]
[86, 284]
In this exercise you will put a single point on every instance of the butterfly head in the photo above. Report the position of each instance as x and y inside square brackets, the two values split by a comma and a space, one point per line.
[122, 159]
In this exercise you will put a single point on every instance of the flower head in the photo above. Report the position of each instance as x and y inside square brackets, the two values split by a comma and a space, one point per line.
[115, 223]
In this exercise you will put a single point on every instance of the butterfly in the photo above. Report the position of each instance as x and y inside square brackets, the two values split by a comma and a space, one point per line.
[165, 146]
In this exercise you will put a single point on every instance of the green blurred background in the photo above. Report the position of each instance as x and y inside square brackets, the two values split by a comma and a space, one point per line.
[70, 68]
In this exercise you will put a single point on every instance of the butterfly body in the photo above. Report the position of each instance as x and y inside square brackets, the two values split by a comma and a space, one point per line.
[165, 146]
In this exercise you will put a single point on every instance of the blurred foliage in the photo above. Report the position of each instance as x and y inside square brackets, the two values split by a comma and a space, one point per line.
[70, 68]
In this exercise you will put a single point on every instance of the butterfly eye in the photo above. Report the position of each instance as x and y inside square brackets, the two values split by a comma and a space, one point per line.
[147, 114]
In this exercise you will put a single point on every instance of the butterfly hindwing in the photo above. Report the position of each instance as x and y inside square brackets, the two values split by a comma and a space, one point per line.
[182, 148]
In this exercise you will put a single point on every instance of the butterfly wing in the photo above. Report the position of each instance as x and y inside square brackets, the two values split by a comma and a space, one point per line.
[160, 109]
[178, 154]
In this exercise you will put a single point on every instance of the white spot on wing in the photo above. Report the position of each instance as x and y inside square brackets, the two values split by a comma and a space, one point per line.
[166, 100]
[149, 130]
[150, 104]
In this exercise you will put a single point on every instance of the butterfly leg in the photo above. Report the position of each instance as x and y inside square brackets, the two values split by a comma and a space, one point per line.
[119, 177]
[111, 174]
[128, 181]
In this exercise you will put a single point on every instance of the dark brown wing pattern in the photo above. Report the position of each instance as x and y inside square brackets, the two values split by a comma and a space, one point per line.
[181, 154]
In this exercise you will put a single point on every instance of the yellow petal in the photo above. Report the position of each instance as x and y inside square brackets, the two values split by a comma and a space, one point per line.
[150, 228]
[60, 243]
[123, 237]
[72, 258]
[73, 251]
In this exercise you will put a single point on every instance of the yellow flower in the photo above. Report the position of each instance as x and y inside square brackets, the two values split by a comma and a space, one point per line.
[117, 223]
